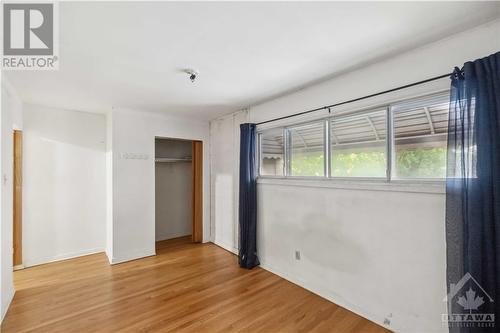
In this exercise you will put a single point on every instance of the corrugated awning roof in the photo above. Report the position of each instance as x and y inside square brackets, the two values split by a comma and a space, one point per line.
[414, 120]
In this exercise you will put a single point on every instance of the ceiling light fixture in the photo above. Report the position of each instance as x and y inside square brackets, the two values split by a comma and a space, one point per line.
[193, 74]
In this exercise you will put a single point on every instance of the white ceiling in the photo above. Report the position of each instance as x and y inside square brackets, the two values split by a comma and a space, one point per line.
[130, 54]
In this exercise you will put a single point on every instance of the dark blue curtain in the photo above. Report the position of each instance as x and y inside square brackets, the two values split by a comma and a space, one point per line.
[248, 197]
[473, 192]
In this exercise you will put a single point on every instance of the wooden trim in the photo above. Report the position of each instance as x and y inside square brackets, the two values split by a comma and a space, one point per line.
[197, 202]
[18, 197]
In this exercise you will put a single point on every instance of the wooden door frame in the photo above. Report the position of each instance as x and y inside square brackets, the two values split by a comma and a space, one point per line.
[196, 187]
[17, 200]
[197, 199]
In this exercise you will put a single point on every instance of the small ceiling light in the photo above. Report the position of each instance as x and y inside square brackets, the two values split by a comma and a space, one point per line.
[192, 74]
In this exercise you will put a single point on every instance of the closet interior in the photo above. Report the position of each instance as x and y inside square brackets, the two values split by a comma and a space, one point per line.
[173, 188]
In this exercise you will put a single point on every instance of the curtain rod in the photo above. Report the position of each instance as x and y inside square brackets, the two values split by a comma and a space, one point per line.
[359, 98]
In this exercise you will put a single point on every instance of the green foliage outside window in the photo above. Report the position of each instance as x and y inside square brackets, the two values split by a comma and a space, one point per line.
[421, 163]
[307, 165]
[359, 164]
[410, 163]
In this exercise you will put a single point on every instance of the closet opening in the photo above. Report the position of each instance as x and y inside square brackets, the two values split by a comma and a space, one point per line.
[178, 191]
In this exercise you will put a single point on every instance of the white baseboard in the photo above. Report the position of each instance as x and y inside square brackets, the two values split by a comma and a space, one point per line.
[325, 293]
[59, 257]
[167, 237]
[109, 255]
[226, 246]
[132, 255]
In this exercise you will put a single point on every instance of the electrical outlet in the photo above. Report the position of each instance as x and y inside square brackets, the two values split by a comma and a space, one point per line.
[297, 255]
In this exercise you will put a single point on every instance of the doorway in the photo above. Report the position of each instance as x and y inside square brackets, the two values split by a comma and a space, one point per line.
[178, 190]
[17, 200]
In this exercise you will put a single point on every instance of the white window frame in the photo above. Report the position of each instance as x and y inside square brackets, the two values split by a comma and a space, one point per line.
[287, 148]
[362, 112]
[390, 153]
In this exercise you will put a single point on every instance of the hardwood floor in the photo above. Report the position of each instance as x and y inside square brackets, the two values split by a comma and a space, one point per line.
[185, 287]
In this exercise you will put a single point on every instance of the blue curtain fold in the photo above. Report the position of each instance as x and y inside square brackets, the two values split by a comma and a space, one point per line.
[473, 187]
[248, 197]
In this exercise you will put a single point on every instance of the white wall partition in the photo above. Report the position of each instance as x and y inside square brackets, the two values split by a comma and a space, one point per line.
[224, 160]
[109, 185]
[377, 249]
[64, 184]
[10, 119]
[133, 178]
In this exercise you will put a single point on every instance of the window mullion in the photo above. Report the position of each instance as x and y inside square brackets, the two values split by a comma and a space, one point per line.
[327, 148]
[259, 153]
[389, 144]
[286, 152]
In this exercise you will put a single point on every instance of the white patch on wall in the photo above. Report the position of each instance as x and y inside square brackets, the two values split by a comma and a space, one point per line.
[134, 156]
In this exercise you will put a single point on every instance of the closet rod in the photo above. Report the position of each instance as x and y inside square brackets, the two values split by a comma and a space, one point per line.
[171, 160]
[359, 98]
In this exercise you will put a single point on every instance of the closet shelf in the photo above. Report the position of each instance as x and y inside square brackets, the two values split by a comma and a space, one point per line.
[171, 160]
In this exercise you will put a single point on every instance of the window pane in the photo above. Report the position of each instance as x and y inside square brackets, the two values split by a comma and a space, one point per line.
[420, 136]
[358, 145]
[271, 163]
[307, 149]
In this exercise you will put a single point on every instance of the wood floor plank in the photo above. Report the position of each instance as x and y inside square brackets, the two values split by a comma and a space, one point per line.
[186, 287]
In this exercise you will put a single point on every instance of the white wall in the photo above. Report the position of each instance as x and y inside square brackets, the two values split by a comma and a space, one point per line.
[173, 190]
[379, 253]
[133, 216]
[377, 250]
[109, 185]
[224, 160]
[10, 119]
[64, 184]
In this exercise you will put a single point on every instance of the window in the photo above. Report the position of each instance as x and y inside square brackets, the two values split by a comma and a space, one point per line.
[307, 149]
[420, 137]
[358, 145]
[271, 152]
[361, 144]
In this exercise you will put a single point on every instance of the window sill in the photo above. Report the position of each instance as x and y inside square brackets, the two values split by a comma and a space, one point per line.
[366, 184]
